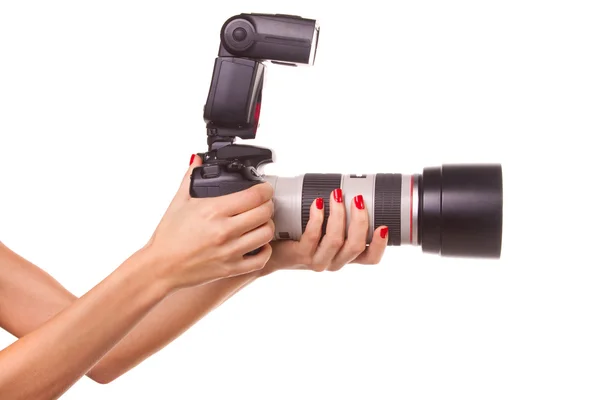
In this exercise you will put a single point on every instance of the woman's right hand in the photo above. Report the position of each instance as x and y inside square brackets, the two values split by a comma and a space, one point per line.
[200, 240]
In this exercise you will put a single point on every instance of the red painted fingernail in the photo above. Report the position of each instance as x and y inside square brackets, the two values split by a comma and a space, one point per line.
[320, 203]
[192, 158]
[384, 232]
[360, 202]
[337, 195]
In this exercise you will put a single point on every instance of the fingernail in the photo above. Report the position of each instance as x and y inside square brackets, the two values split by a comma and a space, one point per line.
[359, 201]
[192, 158]
[320, 203]
[384, 232]
[337, 195]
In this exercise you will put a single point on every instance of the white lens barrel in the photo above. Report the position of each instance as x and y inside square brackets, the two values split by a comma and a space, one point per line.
[390, 200]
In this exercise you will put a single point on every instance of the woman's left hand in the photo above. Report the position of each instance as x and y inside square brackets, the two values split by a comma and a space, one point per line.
[335, 250]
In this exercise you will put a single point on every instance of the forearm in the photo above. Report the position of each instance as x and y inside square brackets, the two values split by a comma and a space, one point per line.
[65, 347]
[168, 320]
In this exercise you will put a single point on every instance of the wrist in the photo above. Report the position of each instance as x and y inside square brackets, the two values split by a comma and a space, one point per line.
[146, 267]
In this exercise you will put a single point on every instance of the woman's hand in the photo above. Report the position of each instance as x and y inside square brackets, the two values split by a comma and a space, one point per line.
[335, 250]
[202, 240]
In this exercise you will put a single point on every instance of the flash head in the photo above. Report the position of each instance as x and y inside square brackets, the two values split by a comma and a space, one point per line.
[278, 38]
[232, 109]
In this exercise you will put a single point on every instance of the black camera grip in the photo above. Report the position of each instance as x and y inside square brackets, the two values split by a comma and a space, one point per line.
[209, 182]
[214, 181]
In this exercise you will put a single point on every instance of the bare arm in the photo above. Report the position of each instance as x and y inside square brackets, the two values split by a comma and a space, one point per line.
[31, 297]
[48, 361]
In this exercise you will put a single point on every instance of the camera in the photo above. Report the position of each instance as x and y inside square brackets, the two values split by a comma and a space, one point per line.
[450, 210]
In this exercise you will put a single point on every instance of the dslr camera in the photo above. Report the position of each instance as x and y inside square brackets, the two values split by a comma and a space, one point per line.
[450, 210]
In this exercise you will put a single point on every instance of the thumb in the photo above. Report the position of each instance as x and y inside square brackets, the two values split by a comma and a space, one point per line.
[195, 161]
[183, 193]
[184, 188]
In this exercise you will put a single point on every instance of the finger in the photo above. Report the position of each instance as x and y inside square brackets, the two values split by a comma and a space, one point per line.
[183, 193]
[252, 240]
[249, 220]
[245, 200]
[184, 187]
[335, 232]
[252, 263]
[309, 241]
[373, 254]
[358, 231]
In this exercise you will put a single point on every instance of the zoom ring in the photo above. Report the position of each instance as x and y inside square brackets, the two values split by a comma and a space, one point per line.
[388, 201]
[318, 185]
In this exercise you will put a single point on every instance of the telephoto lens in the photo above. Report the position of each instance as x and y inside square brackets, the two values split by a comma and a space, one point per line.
[452, 210]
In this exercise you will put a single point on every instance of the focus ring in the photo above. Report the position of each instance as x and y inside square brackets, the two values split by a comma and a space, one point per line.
[318, 185]
[388, 201]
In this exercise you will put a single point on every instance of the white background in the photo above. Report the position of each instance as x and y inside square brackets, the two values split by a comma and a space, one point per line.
[101, 107]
